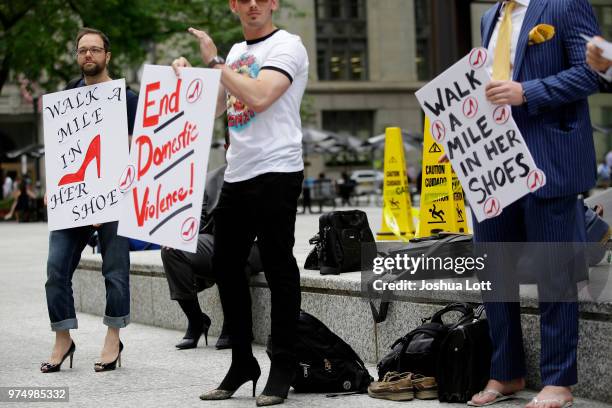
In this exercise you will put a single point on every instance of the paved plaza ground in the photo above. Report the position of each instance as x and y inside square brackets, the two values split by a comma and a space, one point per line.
[154, 373]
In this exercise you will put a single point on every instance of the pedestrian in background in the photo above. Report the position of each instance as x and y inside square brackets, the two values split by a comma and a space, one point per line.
[22, 197]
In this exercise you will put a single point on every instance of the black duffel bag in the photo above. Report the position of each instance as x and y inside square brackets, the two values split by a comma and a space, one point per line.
[443, 245]
[464, 359]
[418, 351]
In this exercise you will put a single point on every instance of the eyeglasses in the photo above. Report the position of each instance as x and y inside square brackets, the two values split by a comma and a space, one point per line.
[258, 1]
[95, 51]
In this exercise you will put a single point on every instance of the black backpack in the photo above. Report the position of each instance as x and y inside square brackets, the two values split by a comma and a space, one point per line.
[464, 359]
[326, 363]
[342, 239]
[418, 351]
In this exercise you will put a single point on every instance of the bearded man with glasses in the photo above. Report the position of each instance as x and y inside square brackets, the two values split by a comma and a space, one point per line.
[65, 246]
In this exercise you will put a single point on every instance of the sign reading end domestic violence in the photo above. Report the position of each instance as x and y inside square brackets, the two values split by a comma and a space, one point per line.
[482, 141]
[164, 180]
[86, 148]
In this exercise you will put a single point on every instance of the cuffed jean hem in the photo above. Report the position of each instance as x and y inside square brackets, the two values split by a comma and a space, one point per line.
[67, 324]
[116, 322]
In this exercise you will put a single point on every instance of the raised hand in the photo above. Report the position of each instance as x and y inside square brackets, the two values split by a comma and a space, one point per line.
[208, 49]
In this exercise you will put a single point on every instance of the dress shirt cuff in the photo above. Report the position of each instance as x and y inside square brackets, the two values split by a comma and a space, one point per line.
[606, 75]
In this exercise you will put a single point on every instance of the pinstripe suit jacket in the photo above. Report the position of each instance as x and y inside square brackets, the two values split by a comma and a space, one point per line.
[555, 120]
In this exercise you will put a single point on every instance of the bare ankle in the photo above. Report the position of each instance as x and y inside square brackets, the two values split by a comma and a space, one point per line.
[515, 382]
[62, 340]
[112, 335]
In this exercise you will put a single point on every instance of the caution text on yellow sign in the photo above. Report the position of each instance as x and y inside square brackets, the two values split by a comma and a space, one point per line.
[442, 203]
[397, 212]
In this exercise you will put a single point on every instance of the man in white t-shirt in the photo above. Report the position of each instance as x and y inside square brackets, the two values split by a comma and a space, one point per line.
[263, 82]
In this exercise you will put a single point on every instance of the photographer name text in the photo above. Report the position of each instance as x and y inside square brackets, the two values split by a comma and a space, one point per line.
[435, 285]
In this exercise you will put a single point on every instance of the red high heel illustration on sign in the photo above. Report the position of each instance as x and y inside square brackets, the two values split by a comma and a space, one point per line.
[93, 152]
[188, 229]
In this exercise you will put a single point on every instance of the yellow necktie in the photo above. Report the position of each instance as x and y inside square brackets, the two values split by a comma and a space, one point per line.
[501, 59]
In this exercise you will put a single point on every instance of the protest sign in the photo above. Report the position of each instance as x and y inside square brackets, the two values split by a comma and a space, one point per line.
[86, 148]
[482, 141]
[164, 180]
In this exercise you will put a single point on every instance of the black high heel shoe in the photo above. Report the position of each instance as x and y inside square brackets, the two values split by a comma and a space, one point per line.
[191, 339]
[280, 378]
[250, 373]
[46, 367]
[100, 366]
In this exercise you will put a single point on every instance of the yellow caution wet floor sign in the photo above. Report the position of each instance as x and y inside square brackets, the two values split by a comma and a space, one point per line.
[442, 203]
[397, 212]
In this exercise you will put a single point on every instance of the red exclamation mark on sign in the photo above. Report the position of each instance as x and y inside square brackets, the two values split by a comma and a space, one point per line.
[191, 180]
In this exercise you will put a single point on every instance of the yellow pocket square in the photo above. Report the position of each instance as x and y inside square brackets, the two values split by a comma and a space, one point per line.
[541, 33]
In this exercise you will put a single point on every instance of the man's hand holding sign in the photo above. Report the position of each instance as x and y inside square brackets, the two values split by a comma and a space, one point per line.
[504, 93]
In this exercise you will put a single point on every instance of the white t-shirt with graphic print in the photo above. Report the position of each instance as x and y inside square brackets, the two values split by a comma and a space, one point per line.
[269, 141]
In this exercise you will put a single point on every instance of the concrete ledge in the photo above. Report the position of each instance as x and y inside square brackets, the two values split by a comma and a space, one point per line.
[337, 301]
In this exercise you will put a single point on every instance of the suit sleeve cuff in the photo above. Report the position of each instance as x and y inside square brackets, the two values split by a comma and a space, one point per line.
[532, 91]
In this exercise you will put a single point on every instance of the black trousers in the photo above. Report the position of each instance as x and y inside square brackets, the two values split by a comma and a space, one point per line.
[263, 207]
[188, 273]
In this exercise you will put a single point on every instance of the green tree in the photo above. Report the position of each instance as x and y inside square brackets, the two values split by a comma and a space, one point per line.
[37, 37]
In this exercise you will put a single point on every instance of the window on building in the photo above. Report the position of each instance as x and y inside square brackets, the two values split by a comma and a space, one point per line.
[342, 42]
[359, 123]
[423, 37]
[604, 17]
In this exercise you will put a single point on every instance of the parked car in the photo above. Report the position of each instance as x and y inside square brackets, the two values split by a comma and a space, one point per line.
[367, 181]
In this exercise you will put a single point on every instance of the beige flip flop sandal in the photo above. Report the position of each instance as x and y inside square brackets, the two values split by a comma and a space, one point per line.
[562, 403]
[498, 397]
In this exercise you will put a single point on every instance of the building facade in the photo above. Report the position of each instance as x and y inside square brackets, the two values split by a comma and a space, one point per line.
[368, 57]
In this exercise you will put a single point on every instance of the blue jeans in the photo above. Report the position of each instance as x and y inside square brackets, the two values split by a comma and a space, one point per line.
[65, 247]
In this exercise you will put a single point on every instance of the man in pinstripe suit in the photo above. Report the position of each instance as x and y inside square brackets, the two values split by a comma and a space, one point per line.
[547, 83]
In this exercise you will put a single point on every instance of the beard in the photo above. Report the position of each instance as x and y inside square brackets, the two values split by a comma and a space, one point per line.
[92, 68]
